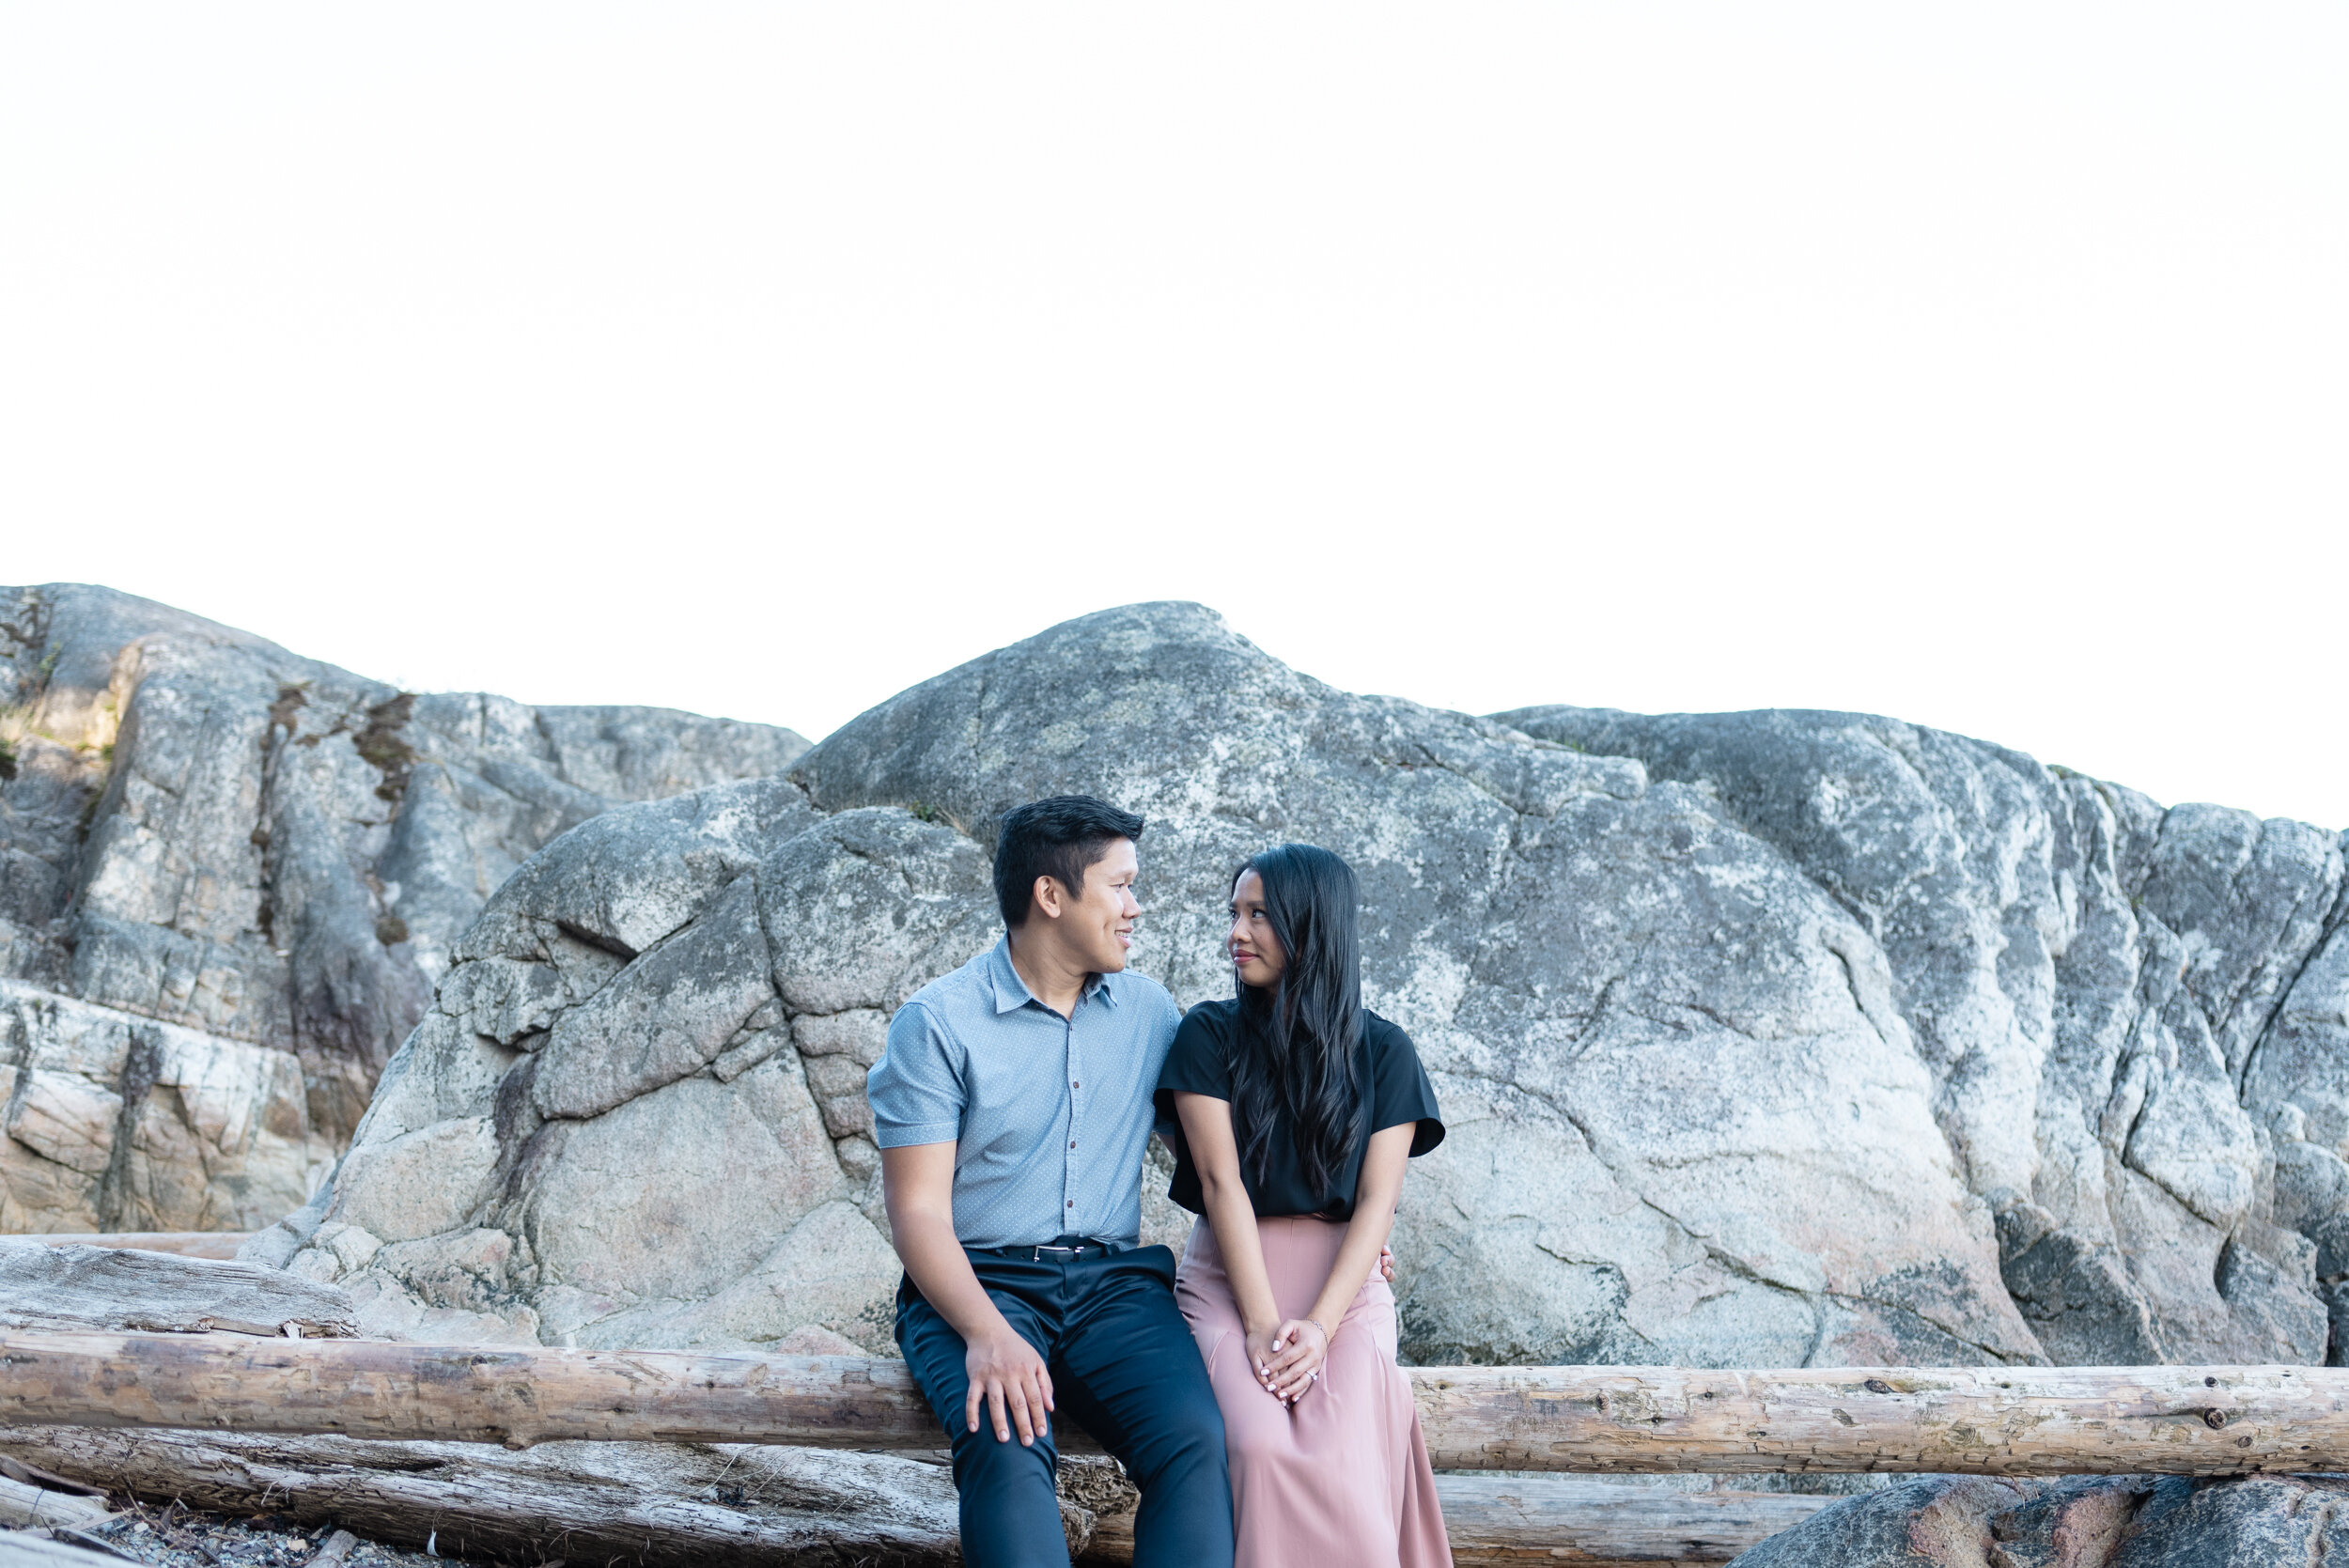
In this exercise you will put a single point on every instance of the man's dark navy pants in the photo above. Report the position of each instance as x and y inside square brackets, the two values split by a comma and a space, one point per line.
[1124, 1365]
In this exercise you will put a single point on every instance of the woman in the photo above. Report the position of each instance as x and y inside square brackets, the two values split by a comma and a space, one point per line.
[1292, 1110]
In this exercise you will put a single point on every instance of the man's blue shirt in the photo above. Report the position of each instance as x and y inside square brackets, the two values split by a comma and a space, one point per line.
[1047, 1115]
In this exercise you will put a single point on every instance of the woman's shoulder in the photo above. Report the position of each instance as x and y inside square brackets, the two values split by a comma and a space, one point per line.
[1212, 1017]
[1385, 1035]
[1196, 1063]
[1205, 1031]
[1401, 1092]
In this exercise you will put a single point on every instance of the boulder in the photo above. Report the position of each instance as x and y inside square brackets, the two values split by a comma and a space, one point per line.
[229, 878]
[1765, 1039]
[2088, 1522]
[2123, 1010]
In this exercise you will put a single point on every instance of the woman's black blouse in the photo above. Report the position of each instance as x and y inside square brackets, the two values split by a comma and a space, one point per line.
[1396, 1088]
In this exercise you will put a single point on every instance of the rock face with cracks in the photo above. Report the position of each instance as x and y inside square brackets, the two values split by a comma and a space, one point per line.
[1765, 1039]
[2088, 1522]
[229, 878]
[2131, 1018]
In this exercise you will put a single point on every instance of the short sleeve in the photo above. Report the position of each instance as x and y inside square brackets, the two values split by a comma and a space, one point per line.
[1199, 1063]
[915, 1089]
[1400, 1092]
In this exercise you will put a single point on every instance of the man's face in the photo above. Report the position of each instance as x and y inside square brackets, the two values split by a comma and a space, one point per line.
[1099, 921]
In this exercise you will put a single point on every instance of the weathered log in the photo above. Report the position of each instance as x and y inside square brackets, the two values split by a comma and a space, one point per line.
[665, 1505]
[32, 1549]
[1591, 1524]
[71, 1288]
[219, 1245]
[37, 1507]
[1549, 1518]
[458, 1394]
[1981, 1421]
[1992, 1420]
[659, 1503]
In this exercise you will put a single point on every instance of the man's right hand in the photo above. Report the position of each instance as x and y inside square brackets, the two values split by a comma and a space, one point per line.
[1009, 1376]
[918, 1185]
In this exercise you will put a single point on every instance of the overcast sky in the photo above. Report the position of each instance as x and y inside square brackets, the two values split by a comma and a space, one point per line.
[1984, 364]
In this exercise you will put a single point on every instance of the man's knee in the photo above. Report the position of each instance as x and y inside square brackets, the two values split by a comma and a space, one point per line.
[1010, 1510]
[982, 1459]
[1187, 1437]
[1185, 1515]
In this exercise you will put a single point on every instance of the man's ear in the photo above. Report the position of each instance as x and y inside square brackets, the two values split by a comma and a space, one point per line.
[1048, 898]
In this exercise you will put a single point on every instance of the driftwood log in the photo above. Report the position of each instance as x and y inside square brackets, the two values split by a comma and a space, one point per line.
[672, 1505]
[219, 1245]
[1991, 1421]
[1976, 1420]
[35, 1549]
[44, 1285]
[693, 1504]
[23, 1507]
[1573, 1519]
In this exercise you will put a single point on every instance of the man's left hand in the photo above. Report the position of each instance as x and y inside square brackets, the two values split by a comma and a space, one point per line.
[1386, 1263]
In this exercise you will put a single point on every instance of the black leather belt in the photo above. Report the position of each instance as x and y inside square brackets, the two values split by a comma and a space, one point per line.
[1059, 1246]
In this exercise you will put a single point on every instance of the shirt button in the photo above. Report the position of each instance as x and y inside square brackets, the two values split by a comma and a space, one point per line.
[1074, 1084]
[1072, 1203]
[1072, 1146]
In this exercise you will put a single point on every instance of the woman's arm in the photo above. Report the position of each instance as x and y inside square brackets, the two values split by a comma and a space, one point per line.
[1215, 1150]
[1301, 1344]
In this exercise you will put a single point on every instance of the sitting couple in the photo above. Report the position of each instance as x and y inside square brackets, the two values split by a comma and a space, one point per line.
[1251, 1392]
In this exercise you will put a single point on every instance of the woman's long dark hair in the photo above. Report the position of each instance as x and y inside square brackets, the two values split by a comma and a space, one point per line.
[1297, 1044]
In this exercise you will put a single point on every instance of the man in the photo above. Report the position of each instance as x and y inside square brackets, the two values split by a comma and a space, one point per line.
[1011, 1107]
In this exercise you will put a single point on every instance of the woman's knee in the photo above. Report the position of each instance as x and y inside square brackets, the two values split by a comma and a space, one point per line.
[1252, 1442]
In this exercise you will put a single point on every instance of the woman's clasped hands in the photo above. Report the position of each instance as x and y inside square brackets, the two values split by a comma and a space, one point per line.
[1288, 1360]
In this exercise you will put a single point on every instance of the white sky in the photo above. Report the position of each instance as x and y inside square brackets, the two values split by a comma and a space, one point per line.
[1985, 364]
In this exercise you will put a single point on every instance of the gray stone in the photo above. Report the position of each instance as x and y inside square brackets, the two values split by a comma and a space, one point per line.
[116, 1122]
[758, 1218]
[2088, 1522]
[665, 1016]
[2096, 986]
[1635, 1010]
[202, 832]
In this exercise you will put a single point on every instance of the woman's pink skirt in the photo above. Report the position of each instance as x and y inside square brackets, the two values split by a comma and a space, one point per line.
[1341, 1479]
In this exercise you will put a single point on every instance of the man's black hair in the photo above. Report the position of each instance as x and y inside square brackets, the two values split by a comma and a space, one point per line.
[1057, 838]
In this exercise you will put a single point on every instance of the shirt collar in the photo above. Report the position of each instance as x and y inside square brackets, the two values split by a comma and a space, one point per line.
[1012, 993]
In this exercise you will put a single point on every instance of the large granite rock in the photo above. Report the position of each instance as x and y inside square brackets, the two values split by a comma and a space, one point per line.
[2088, 1522]
[2124, 1011]
[229, 878]
[1765, 1039]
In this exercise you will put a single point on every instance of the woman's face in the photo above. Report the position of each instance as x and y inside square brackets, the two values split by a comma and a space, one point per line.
[1256, 953]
